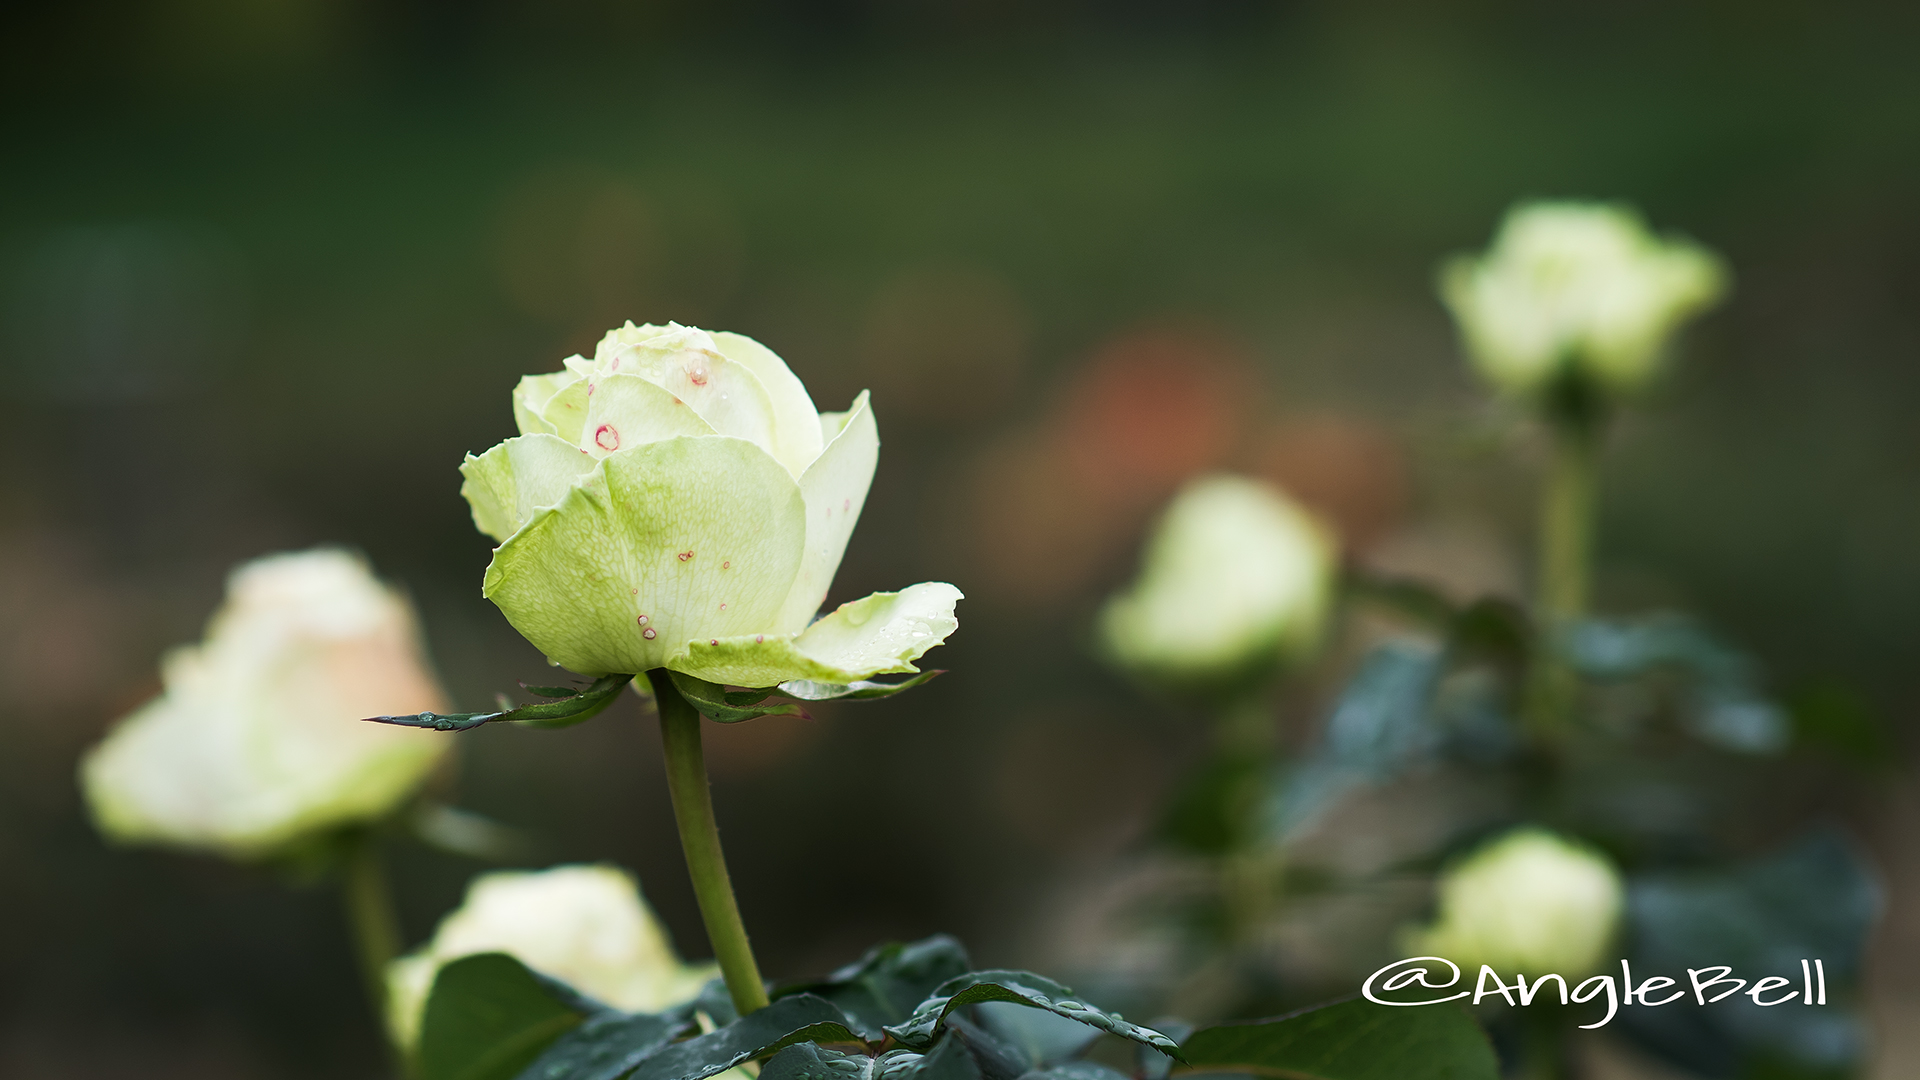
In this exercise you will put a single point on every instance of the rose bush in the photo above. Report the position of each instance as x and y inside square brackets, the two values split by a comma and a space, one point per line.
[1573, 286]
[1530, 902]
[252, 745]
[587, 926]
[1235, 574]
[678, 502]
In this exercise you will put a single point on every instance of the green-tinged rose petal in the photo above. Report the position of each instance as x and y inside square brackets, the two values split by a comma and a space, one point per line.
[877, 635]
[832, 424]
[566, 411]
[532, 395]
[684, 539]
[796, 427]
[508, 483]
[625, 411]
[687, 364]
[835, 487]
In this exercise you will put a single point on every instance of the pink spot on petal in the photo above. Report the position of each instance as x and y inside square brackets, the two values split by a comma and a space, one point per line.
[648, 634]
[589, 389]
[713, 641]
[726, 565]
[643, 620]
[723, 607]
[846, 504]
[685, 555]
[606, 438]
[760, 638]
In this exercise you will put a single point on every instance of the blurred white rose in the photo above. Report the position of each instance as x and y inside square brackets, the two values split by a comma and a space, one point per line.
[1530, 902]
[1235, 573]
[256, 741]
[1581, 286]
[584, 925]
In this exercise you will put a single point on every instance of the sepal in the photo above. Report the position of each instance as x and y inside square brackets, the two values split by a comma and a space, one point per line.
[571, 707]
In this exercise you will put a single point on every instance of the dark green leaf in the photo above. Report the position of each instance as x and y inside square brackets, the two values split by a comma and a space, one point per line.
[1020, 988]
[809, 1061]
[993, 1057]
[1379, 727]
[1816, 899]
[488, 1018]
[1075, 1070]
[1350, 1040]
[716, 1001]
[1725, 705]
[884, 986]
[569, 710]
[713, 701]
[1045, 1038]
[1150, 1064]
[808, 690]
[605, 1046]
[800, 1018]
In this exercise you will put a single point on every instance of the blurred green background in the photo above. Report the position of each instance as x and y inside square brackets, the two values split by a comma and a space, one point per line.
[268, 268]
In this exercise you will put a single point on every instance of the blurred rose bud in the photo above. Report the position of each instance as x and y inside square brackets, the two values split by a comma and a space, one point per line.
[1235, 575]
[1530, 902]
[586, 926]
[1579, 288]
[256, 742]
[677, 502]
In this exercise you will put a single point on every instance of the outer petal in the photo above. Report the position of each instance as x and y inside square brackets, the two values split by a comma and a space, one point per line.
[625, 411]
[797, 438]
[687, 538]
[877, 635]
[530, 399]
[508, 483]
[835, 487]
[566, 411]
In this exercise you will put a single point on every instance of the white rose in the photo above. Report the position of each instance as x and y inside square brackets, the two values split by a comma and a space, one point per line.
[678, 502]
[1530, 902]
[1583, 286]
[255, 742]
[586, 926]
[1234, 574]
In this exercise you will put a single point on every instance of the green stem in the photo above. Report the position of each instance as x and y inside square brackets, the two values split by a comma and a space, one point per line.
[370, 915]
[1566, 554]
[1566, 525]
[700, 839]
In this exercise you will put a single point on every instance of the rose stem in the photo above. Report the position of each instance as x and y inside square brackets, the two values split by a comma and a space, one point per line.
[700, 839]
[1566, 547]
[376, 930]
